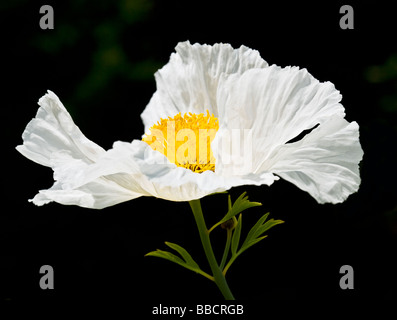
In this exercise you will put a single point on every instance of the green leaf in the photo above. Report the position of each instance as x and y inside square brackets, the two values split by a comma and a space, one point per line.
[251, 234]
[187, 261]
[185, 255]
[166, 255]
[269, 224]
[254, 236]
[256, 232]
[250, 243]
[229, 203]
[242, 203]
[236, 235]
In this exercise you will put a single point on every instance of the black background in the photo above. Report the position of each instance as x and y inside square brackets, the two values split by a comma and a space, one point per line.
[100, 59]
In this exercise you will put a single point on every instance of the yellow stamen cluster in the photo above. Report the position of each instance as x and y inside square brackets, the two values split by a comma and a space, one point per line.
[185, 140]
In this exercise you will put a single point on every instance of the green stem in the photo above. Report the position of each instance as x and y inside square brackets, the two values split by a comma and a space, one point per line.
[205, 240]
[227, 248]
[230, 263]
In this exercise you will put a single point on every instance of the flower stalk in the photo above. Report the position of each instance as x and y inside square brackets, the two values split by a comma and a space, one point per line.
[227, 248]
[217, 273]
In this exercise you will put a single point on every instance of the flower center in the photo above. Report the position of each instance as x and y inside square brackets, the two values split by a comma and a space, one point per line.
[185, 140]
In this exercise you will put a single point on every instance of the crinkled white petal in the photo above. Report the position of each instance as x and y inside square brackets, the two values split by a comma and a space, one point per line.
[261, 107]
[52, 139]
[324, 163]
[189, 81]
[275, 105]
[53, 130]
[150, 173]
[97, 194]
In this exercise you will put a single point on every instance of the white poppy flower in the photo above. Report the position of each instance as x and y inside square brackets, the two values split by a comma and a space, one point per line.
[206, 87]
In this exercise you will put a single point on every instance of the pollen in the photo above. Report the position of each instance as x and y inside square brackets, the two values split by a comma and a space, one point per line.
[185, 140]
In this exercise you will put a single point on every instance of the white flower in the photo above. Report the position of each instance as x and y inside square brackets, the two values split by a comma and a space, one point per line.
[239, 88]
